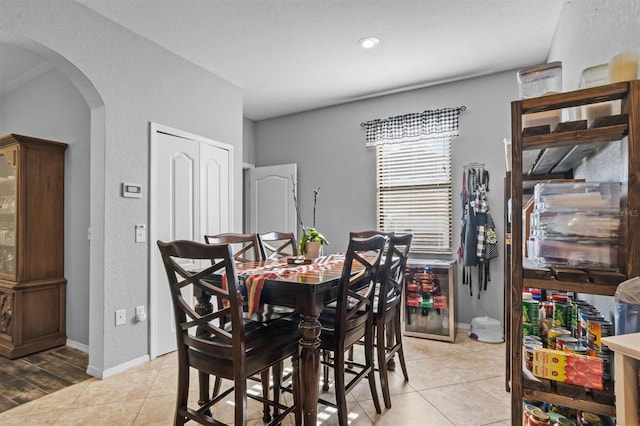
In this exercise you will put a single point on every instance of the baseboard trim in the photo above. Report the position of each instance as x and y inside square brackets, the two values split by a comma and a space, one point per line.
[79, 346]
[103, 374]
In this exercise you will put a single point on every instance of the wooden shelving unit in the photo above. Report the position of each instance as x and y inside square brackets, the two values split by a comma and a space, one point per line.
[524, 386]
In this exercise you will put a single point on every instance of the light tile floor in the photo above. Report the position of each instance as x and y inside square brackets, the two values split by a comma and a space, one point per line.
[449, 384]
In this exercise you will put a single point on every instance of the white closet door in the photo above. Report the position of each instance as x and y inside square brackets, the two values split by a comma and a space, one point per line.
[215, 187]
[191, 181]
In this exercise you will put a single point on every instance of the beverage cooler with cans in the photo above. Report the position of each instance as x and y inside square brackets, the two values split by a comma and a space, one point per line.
[428, 308]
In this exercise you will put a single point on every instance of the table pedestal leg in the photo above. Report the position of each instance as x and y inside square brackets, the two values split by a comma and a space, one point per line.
[310, 330]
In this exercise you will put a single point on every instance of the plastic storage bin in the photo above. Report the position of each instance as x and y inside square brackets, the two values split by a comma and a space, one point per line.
[574, 252]
[574, 196]
[540, 80]
[537, 81]
[597, 75]
[575, 224]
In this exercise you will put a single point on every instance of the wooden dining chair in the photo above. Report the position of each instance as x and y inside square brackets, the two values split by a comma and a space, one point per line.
[352, 320]
[246, 247]
[366, 234]
[275, 245]
[387, 311]
[221, 343]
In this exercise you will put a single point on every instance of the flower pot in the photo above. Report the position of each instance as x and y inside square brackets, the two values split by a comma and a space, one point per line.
[312, 250]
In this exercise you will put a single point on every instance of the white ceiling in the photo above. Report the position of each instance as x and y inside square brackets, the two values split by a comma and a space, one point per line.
[295, 55]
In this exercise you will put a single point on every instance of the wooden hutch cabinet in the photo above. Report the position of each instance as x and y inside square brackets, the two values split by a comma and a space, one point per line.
[32, 282]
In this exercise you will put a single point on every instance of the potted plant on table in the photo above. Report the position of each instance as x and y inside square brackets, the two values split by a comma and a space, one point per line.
[311, 240]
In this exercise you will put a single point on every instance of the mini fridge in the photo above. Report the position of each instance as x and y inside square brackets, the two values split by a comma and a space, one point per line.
[428, 301]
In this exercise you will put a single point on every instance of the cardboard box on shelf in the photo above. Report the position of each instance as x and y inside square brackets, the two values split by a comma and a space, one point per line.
[569, 368]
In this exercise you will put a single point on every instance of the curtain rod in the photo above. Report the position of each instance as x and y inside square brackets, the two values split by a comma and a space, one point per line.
[460, 108]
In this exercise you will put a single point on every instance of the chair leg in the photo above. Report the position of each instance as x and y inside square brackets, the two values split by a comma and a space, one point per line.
[217, 384]
[325, 382]
[183, 394]
[266, 410]
[203, 380]
[240, 398]
[203, 383]
[398, 333]
[277, 382]
[391, 339]
[341, 396]
[381, 351]
[295, 382]
[368, 352]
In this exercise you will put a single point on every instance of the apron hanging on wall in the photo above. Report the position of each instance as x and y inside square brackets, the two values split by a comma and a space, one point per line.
[478, 238]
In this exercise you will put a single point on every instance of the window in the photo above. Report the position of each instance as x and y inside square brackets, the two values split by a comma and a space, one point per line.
[413, 181]
[413, 175]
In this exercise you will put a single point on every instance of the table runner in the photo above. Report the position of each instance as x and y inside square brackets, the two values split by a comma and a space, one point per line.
[251, 280]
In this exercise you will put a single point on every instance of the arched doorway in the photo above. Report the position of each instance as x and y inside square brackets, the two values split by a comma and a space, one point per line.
[50, 98]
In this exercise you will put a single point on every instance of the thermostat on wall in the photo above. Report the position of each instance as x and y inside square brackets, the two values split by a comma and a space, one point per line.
[131, 190]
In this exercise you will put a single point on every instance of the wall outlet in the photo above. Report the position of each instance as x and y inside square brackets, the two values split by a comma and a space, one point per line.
[121, 317]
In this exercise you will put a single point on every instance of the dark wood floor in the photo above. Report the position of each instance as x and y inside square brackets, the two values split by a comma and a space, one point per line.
[28, 378]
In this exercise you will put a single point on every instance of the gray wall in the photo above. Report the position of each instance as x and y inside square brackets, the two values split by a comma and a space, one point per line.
[328, 146]
[591, 32]
[130, 82]
[50, 107]
[248, 141]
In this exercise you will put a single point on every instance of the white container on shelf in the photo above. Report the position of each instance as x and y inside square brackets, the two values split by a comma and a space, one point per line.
[597, 75]
[552, 118]
[540, 80]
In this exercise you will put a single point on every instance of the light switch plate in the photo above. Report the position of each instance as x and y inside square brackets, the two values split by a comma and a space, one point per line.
[141, 234]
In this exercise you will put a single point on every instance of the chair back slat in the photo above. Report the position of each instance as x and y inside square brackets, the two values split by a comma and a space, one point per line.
[246, 247]
[275, 245]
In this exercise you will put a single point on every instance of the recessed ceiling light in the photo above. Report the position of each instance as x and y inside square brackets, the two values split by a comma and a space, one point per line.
[368, 42]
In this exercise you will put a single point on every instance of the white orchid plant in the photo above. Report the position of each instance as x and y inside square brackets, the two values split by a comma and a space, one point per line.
[308, 233]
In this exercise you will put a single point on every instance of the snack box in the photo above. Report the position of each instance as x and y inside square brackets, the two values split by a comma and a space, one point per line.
[579, 370]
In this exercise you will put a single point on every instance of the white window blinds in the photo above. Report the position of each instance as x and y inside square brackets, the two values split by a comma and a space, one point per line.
[414, 192]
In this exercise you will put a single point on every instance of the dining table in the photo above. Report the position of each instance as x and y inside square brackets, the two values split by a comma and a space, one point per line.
[306, 287]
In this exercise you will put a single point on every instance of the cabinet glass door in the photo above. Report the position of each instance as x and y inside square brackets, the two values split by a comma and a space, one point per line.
[8, 212]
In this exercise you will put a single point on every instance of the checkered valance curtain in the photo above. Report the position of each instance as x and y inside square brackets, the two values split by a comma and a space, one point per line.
[433, 124]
